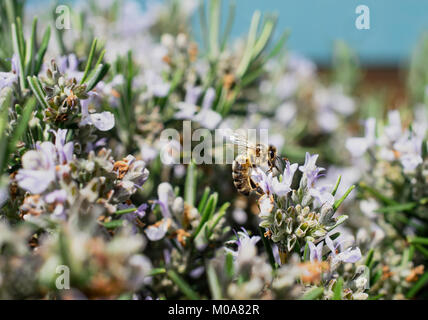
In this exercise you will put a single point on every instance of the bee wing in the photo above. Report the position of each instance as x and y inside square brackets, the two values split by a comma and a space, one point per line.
[241, 141]
[280, 163]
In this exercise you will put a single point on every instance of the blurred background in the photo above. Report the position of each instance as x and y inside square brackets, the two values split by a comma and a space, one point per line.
[383, 51]
[395, 26]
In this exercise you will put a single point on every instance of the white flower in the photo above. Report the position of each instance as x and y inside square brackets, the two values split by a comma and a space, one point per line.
[185, 110]
[409, 147]
[322, 195]
[103, 121]
[188, 109]
[393, 130]
[7, 79]
[410, 161]
[284, 187]
[157, 232]
[266, 206]
[156, 86]
[264, 181]
[165, 198]
[286, 86]
[309, 165]
[338, 254]
[247, 249]
[357, 146]
[286, 112]
[315, 252]
[38, 168]
[368, 207]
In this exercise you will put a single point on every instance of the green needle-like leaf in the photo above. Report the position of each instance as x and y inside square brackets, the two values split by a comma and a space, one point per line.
[89, 62]
[337, 291]
[156, 271]
[22, 124]
[42, 51]
[214, 27]
[268, 248]
[369, 258]
[246, 59]
[336, 186]
[339, 202]
[264, 38]
[113, 224]
[229, 24]
[213, 282]
[204, 199]
[377, 194]
[313, 294]
[417, 286]
[183, 285]
[17, 48]
[229, 265]
[36, 87]
[30, 51]
[418, 240]
[190, 184]
[207, 213]
[99, 73]
[398, 207]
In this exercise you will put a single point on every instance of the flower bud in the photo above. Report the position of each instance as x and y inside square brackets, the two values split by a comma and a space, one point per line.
[327, 213]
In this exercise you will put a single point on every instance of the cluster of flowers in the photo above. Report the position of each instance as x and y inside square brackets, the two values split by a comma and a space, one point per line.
[392, 160]
[300, 223]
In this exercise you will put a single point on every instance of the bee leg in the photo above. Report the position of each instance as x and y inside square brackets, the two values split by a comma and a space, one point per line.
[271, 166]
[256, 188]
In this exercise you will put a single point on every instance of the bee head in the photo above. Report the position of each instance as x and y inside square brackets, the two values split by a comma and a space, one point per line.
[272, 152]
[258, 150]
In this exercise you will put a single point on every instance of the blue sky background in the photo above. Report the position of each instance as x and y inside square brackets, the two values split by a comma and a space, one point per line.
[396, 26]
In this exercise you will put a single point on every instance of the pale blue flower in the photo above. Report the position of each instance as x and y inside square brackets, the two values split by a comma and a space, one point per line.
[38, 169]
[310, 171]
[340, 254]
[309, 165]
[56, 196]
[156, 86]
[137, 171]
[188, 108]
[315, 252]
[165, 198]
[394, 128]
[357, 146]
[246, 247]
[263, 180]
[157, 232]
[69, 65]
[64, 150]
[8, 79]
[103, 121]
[284, 187]
[322, 195]
[207, 117]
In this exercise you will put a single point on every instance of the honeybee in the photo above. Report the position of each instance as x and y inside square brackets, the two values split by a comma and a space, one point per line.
[252, 156]
[241, 174]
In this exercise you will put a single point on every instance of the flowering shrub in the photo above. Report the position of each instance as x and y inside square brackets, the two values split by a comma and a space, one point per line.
[96, 203]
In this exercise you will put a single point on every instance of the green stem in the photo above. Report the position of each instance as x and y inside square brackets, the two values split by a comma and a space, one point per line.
[268, 249]
[183, 285]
